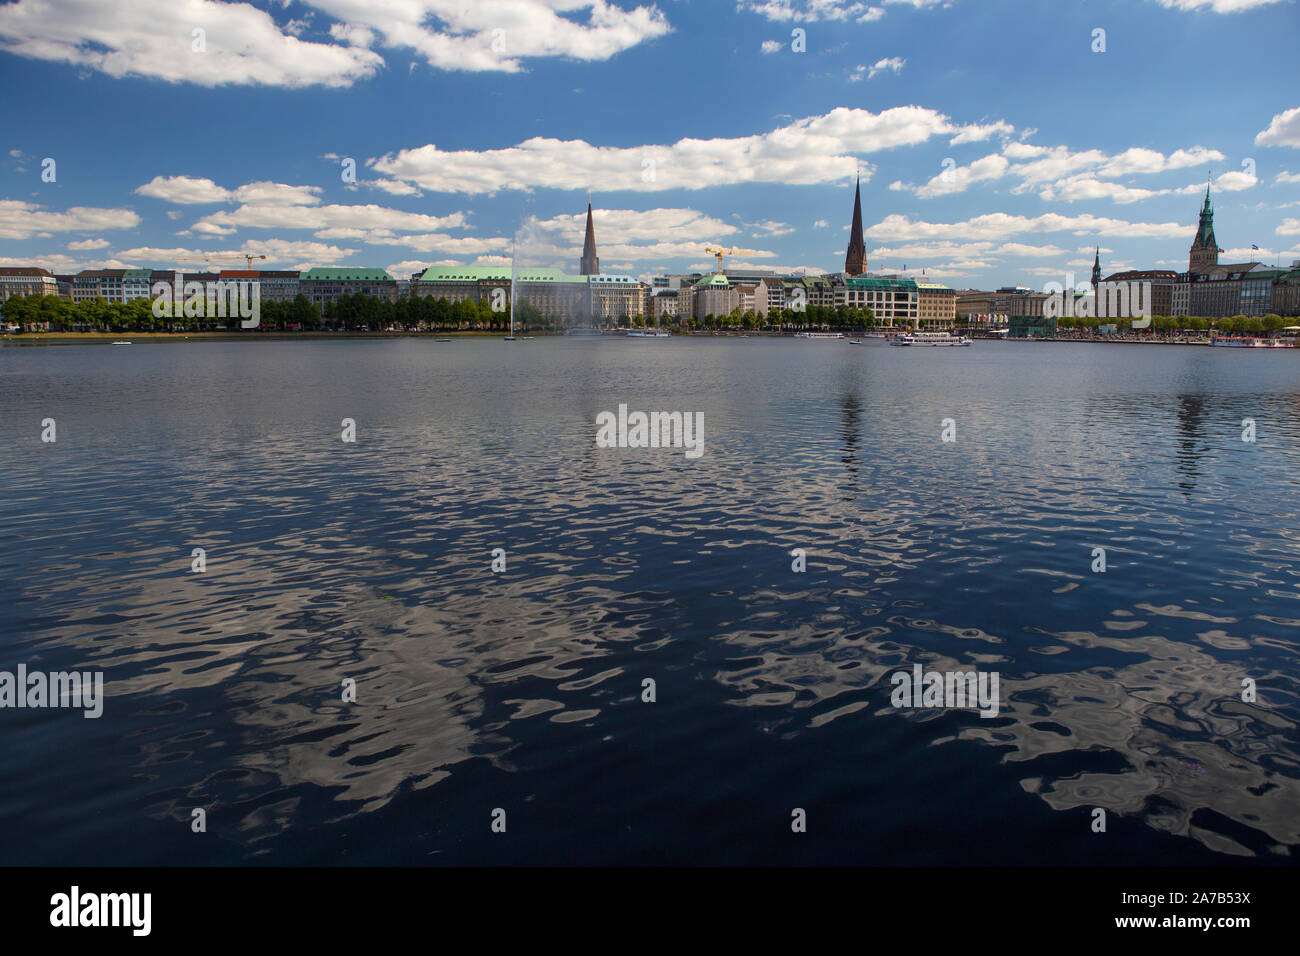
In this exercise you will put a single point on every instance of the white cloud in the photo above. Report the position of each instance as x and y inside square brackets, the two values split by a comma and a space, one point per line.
[1284, 130]
[334, 221]
[995, 226]
[813, 11]
[85, 245]
[1289, 227]
[816, 149]
[771, 46]
[1074, 188]
[820, 224]
[244, 45]
[767, 228]
[1021, 249]
[1059, 173]
[978, 133]
[627, 234]
[894, 63]
[441, 242]
[1216, 6]
[496, 36]
[277, 252]
[61, 264]
[154, 39]
[1285, 177]
[190, 190]
[957, 179]
[23, 220]
[184, 189]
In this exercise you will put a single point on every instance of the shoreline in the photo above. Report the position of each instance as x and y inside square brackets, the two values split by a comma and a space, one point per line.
[29, 339]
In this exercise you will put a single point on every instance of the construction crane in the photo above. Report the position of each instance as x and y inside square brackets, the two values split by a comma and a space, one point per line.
[719, 253]
[243, 255]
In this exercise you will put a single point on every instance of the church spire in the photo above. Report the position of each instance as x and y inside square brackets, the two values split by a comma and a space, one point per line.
[1204, 253]
[1096, 270]
[590, 264]
[855, 260]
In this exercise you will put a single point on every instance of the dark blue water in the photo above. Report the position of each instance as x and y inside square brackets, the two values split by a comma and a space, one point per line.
[522, 691]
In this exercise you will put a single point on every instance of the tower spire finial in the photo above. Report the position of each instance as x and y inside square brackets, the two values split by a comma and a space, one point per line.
[590, 264]
[855, 259]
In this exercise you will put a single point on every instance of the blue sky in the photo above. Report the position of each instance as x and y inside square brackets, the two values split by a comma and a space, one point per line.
[996, 141]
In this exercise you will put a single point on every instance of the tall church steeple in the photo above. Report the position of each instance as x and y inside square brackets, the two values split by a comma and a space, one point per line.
[1204, 253]
[1096, 270]
[590, 264]
[855, 260]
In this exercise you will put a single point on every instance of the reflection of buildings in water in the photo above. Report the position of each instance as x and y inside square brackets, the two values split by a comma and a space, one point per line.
[851, 432]
[257, 651]
[1174, 716]
[1191, 441]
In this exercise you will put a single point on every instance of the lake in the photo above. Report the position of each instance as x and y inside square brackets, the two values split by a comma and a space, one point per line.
[517, 699]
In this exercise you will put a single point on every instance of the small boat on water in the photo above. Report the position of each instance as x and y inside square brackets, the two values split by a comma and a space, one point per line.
[820, 335]
[442, 340]
[121, 343]
[930, 338]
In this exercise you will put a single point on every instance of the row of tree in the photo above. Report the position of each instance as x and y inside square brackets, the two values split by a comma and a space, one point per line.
[1262, 324]
[421, 313]
[351, 312]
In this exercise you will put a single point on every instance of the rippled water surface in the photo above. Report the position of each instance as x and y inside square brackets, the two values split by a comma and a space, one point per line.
[522, 691]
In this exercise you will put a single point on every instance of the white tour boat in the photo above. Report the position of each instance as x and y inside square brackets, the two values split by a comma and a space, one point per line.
[930, 338]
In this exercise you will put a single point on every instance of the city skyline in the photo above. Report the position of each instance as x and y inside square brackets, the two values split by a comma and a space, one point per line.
[976, 199]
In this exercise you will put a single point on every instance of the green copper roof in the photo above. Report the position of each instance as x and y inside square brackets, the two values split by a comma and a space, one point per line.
[715, 280]
[372, 275]
[464, 273]
[860, 282]
[506, 273]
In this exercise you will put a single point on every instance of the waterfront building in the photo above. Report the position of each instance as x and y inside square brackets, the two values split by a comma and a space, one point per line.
[712, 295]
[91, 284]
[1163, 282]
[136, 284]
[936, 305]
[461, 283]
[1242, 288]
[662, 304]
[893, 301]
[273, 285]
[322, 286]
[1213, 289]
[65, 281]
[1030, 326]
[552, 293]
[972, 302]
[613, 298]
[25, 280]
[1285, 296]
